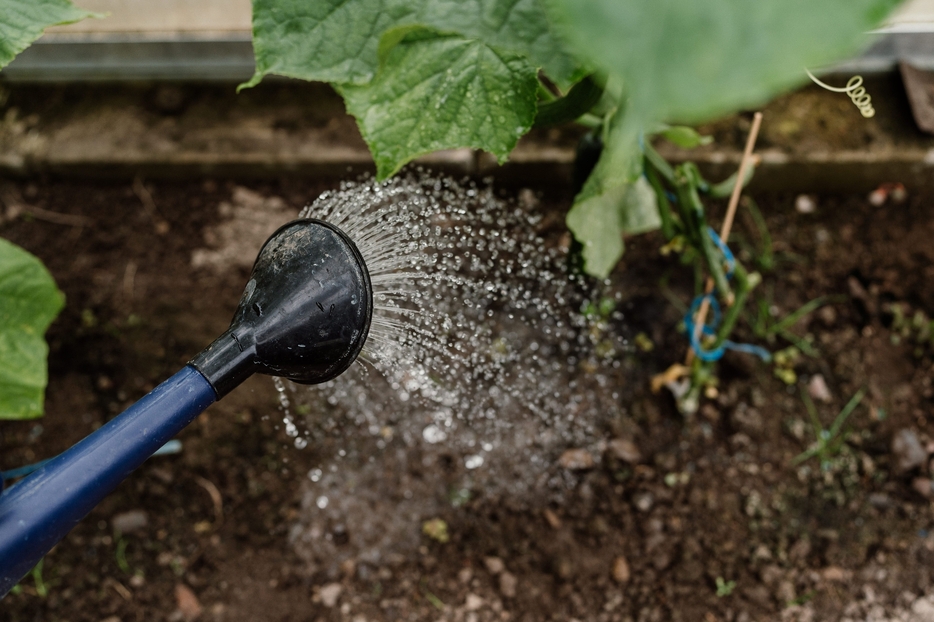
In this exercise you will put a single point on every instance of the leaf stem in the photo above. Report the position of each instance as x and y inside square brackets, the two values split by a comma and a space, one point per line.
[579, 100]
[745, 283]
[664, 205]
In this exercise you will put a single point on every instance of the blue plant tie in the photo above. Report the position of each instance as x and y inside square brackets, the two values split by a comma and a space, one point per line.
[710, 327]
[727, 253]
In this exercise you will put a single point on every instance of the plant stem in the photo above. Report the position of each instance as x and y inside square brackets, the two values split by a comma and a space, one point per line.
[580, 99]
[792, 318]
[745, 283]
[766, 259]
[664, 205]
[847, 410]
[659, 163]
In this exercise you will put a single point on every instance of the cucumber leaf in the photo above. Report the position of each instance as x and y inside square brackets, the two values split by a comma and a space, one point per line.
[436, 91]
[683, 136]
[690, 61]
[600, 222]
[29, 301]
[22, 22]
[338, 40]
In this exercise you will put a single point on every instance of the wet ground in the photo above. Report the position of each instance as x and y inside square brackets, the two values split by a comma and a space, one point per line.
[661, 517]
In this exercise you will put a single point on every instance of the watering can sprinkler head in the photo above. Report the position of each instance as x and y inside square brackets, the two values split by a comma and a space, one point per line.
[304, 315]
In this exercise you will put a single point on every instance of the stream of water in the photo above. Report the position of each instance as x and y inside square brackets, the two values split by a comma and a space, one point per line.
[479, 371]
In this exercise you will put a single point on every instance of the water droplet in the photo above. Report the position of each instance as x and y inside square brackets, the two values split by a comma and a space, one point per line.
[433, 434]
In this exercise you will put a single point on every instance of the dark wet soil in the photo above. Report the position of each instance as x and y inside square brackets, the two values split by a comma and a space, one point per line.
[713, 522]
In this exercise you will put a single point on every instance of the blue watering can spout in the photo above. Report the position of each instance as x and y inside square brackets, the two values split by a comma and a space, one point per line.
[305, 315]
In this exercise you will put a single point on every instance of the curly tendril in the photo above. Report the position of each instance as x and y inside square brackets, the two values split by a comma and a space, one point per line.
[855, 90]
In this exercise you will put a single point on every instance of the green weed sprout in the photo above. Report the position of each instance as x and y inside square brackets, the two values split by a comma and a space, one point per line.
[829, 442]
[724, 588]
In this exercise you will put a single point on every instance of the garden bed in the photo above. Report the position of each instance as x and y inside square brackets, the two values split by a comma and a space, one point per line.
[711, 521]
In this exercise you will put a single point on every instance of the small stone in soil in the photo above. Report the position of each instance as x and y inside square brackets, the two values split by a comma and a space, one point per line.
[909, 454]
[494, 565]
[128, 522]
[187, 602]
[508, 584]
[625, 450]
[834, 573]
[576, 460]
[800, 550]
[330, 593]
[473, 602]
[643, 501]
[880, 500]
[923, 486]
[552, 519]
[818, 390]
[785, 593]
[621, 573]
[771, 574]
[805, 204]
[827, 315]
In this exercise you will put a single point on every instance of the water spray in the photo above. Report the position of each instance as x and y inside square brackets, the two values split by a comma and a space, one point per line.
[304, 315]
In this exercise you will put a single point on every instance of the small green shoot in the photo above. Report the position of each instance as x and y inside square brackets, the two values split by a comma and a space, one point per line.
[764, 258]
[782, 326]
[764, 327]
[41, 588]
[459, 496]
[830, 442]
[436, 529]
[724, 588]
[644, 342]
[120, 555]
[803, 599]
[436, 602]
[600, 310]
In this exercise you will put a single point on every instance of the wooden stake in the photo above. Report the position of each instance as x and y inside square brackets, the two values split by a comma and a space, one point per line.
[727, 226]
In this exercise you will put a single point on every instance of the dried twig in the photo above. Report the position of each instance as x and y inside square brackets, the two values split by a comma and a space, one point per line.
[15, 206]
[216, 498]
[149, 205]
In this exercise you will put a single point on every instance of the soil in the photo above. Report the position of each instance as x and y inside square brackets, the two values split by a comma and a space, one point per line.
[712, 520]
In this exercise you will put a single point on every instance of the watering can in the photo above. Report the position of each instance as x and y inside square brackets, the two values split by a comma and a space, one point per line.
[304, 315]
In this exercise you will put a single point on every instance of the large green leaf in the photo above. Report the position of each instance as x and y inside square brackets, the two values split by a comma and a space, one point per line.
[599, 222]
[688, 60]
[22, 22]
[338, 40]
[29, 301]
[437, 92]
[519, 26]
